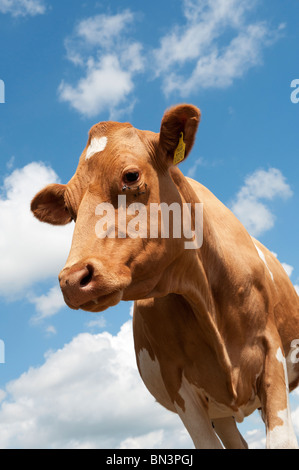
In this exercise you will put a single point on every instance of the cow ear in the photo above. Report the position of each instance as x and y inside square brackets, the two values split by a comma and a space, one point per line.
[177, 134]
[49, 205]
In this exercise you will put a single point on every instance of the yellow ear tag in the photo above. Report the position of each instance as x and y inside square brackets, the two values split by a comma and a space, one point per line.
[179, 153]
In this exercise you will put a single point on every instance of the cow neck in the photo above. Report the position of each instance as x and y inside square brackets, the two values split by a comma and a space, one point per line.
[190, 278]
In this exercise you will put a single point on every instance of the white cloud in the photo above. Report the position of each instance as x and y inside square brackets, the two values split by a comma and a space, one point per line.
[51, 330]
[198, 55]
[160, 439]
[103, 30]
[255, 216]
[10, 163]
[105, 86]
[256, 439]
[87, 395]
[48, 304]
[264, 184]
[150, 440]
[30, 251]
[294, 402]
[109, 62]
[214, 44]
[23, 7]
[288, 268]
[98, 323]
[192, 170]
[247, 205]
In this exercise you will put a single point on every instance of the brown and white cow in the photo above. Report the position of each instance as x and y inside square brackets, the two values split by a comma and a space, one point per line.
[214, 327]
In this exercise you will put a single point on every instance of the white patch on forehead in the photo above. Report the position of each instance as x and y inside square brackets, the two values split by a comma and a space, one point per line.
[262, 256]
[98, 144]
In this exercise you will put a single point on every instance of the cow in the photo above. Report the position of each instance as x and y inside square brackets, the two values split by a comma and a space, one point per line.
[215, 326]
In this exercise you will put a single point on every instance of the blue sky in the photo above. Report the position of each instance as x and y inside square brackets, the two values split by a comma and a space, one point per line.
[69, 377]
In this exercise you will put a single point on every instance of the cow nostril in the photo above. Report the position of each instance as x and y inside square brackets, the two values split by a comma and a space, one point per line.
[86, 279]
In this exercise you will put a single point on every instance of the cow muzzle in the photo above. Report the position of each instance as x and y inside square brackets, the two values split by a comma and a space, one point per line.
[89, 286]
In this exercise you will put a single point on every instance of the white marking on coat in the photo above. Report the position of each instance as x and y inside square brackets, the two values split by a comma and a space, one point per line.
[98, 144]
[195, 417]
[283, 436]
[263, 258]
[150, 372]
[219, 410]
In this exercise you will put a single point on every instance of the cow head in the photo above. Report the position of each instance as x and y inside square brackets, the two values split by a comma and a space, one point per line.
[105, 265]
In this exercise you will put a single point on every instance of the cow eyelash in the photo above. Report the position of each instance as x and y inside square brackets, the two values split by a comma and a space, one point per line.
[138, 189]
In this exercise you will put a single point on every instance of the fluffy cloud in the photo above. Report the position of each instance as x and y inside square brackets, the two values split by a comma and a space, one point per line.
[105, 86]
[98, 323]
[110, 62]
[197, 55]
[48, 304]
[194, 55]
[294, 401]
[192, 170]
[264, 184]
[288, 268]
[87, 395]
[247, 206]
[256, 438]
[23, 7]
[29, 250]
[104, 30]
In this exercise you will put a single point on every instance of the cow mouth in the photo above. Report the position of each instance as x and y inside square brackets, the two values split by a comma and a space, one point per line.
[103, 302]
[88, 286]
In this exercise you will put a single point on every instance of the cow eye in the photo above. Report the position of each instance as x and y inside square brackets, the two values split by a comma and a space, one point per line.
[131, 177]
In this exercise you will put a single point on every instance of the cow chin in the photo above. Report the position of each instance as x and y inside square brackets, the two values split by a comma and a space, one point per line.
[99, 304]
